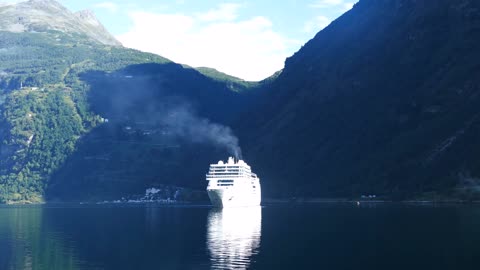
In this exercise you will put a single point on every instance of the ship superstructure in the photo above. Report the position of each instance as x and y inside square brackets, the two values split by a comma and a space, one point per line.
[233, 184]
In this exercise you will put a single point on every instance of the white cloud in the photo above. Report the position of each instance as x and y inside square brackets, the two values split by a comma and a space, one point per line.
[348, 5]
[326, 3]
[345, 5]
[320, 22]
[110, 6]
[249, 49]
[316, 24]
[225, 12]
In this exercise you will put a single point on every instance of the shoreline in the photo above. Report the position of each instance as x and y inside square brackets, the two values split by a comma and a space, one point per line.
[343, 200]
[266, 201]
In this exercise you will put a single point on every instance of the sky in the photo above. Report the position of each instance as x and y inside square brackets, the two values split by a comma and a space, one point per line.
[249, 39]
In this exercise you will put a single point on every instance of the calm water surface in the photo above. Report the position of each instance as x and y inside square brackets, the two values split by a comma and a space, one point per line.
[322, 236]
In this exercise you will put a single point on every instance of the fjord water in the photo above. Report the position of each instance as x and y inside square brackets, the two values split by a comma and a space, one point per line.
[315, 236]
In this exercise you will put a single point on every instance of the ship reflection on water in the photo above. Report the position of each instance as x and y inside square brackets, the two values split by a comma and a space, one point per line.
[233, 236]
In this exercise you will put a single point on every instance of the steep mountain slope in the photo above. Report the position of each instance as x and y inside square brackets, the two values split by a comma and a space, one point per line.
[385, 100]
[45, 15]
[75, 112]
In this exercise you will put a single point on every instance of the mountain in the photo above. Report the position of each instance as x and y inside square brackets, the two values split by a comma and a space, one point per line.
[159, 119]
[383, 101]
[48, 15]
[81, 119]
[234, 83]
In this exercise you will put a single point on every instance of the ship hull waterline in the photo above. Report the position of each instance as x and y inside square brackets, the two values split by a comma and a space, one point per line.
[221, 198]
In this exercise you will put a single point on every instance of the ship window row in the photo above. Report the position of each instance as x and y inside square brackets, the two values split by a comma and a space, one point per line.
[225, 185]
[225, 171]
[229, 173]
[229, 168]
[225, 181]
[225, 176]
[235, 170]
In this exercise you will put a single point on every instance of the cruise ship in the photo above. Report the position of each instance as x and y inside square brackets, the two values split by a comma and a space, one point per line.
[232, 184]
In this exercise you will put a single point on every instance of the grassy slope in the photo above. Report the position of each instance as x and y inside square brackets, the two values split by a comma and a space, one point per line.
[45, 109]
[234, 83]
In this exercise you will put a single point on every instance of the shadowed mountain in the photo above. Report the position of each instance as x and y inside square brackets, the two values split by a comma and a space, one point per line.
[383, 101]
[160, 127]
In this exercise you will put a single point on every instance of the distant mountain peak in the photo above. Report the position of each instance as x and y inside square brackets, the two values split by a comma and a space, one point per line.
[47, 5]
[45, 2]
[88, 16]
[44, 15]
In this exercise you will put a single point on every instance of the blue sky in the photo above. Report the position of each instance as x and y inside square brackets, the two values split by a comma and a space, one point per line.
[246, 38]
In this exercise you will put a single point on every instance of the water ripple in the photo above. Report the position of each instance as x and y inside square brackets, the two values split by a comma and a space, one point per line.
[233, 236]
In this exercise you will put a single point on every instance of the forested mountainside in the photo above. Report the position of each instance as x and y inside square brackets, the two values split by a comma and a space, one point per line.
[73, 109]
[383, 101]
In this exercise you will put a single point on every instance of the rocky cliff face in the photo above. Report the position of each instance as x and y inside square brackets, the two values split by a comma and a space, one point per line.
[45, 15]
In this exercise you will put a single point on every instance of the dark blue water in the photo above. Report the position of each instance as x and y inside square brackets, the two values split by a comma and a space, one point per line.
[322, 236]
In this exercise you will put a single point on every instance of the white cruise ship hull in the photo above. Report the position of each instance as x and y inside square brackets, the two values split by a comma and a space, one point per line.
[233, 184]
[225, 198]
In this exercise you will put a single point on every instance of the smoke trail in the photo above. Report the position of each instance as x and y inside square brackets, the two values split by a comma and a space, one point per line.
[141, 99]
[182, 121]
